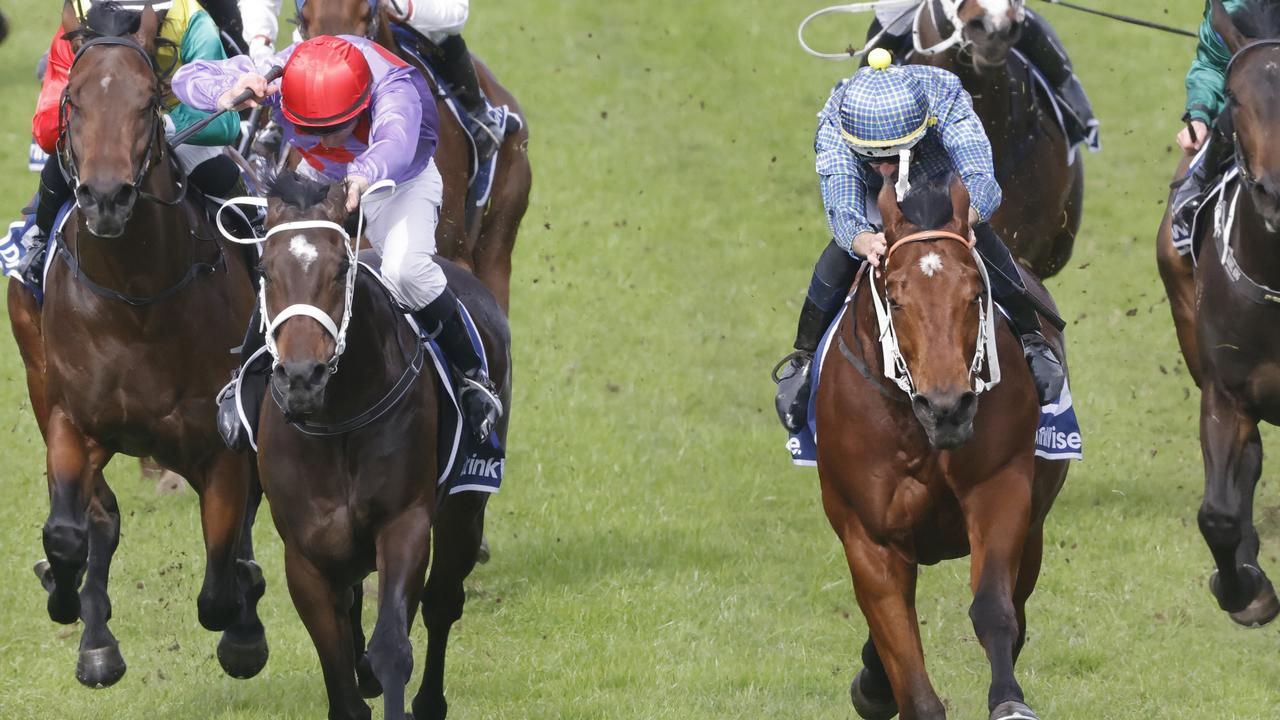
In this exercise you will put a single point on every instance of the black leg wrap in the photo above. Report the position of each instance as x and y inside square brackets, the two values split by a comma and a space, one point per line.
[832, 276]
[460, 73]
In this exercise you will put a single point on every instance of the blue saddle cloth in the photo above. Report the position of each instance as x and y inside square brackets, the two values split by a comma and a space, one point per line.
[464, 464]
[1057, 437]
[13, 250]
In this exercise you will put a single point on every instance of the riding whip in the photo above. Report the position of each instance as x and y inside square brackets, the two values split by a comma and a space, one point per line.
[274, 73]
[1124, 18]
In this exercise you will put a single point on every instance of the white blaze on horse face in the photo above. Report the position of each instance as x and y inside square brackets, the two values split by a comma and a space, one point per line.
[304, 251]
[930, 264]
[106, 83]
[997, 12]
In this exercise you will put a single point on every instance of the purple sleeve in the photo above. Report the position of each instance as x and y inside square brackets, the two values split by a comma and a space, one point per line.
[397, 110]
[201, 83]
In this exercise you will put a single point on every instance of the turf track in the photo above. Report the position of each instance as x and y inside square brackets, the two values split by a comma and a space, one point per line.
[655, 554]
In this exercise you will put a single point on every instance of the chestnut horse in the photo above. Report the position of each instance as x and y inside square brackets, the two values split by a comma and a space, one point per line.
[1222, 314]
[348, 457]
[129, 349]
[484, 245]
[912, 479]
[1043, 194]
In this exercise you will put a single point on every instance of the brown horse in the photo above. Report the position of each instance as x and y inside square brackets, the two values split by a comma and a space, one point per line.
[915, 479]
[486, 245]
[129, 350]
[353, 490]
[1043, 194]
[1224, 334]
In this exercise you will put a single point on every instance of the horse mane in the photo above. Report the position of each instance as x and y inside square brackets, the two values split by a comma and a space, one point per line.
[1258, 19]
[928, 205]
[293, 189]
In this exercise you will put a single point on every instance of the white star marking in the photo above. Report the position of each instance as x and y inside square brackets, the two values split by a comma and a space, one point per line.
[930, 264]
[303, 250]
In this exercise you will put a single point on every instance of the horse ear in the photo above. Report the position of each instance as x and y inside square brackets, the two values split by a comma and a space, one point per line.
[890, 212]
[147, 29]
[336, 202]
[71, 23]
[1226, 28]
[960, 206]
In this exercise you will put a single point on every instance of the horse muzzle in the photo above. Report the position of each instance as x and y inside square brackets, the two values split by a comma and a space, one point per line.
[947, 417]
[300, 386]
[106, 207]
[990, 44]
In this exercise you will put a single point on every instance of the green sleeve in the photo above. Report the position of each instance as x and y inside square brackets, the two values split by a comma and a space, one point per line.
[1207, 79]
[201, 42]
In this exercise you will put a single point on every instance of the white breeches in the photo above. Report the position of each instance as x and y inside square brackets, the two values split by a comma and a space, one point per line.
[402, 228]
[189, 156]
[437, 19]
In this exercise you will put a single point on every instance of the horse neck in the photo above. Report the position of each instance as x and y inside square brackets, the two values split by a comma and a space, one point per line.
[156, 248]
[378, 347]
[1255, 246]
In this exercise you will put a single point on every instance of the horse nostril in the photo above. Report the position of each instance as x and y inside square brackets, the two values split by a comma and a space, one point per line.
[967, 401]
[922, 404]
[125, 196]
[318, 371]
[84, 198]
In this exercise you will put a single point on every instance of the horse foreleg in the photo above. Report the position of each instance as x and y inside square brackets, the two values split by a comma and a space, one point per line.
[66, 531]
[243, 650]
[1028, 574]
[224, 493]
[501, 222]
[1232, 452]
[100, 663]
[323, 609]
[885, 586]
[997, 513]
[365, 678]
[404, 547]
[458, 529]
[1178, 275]
[24, 320]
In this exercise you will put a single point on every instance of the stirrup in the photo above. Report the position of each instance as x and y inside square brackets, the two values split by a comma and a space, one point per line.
[233, 432]
[786, 360]
[492, 405]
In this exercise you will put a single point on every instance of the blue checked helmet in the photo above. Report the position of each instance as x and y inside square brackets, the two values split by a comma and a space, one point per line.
[885, 110]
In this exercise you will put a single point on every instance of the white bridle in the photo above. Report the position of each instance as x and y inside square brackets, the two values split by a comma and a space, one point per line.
[270, 324]
[950, 9]
[895, 365]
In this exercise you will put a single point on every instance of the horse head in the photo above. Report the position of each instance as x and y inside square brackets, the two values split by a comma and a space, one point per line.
[308, 276]
[338, 17]
[991, 28]
[934, 293]
[1253, 99]
[110, 112]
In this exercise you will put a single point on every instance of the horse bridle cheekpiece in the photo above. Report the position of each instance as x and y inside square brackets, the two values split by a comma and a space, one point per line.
[270, 325]
[895, 365]
[66, 154]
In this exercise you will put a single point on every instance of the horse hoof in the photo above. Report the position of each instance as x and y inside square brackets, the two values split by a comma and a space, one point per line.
[369, 686]
[430, 710]
[100, 667]
[44, 573]
[1264, 608]
[483, 555]
[1254, 586]
[1013, 710]
[866, 707]
[242, 657]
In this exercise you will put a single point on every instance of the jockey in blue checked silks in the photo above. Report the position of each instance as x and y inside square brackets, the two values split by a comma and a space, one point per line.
[920, 119]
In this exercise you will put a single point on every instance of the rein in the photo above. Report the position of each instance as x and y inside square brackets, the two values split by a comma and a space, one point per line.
[895, 365]
[1251, 289]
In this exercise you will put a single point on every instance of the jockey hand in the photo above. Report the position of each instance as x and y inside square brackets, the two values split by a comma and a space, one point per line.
[870, 246]
[1191, 146]
[356, 185]
[249, 81]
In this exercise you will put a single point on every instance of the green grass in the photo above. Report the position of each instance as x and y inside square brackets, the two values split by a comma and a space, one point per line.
[655, 555]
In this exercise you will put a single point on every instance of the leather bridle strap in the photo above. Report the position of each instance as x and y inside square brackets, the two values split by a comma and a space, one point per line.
[927, 236]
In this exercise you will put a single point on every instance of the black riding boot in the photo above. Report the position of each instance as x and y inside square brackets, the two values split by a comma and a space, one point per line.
[1190, 195]
[54, 191]
[1044, 49]
[899, 45]
[832, 277]
[1010, 292]
[459, 72]
[255, 382]
[481, 406]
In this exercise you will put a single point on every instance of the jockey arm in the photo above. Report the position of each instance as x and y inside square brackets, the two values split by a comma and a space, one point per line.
[967, 145]
[261, 23]
[844, 191]
[397, 111]
[1207, 78]
[44, 125]
[199, 84]
[201, 43]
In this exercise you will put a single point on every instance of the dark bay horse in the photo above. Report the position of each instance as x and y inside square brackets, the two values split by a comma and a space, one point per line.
[1043, 195]
[129, 349]
[1232, 352]
[486, 246]
[915, 479]
[352, 490]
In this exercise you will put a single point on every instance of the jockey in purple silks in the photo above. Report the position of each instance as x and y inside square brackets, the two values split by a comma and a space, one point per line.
[353, 111]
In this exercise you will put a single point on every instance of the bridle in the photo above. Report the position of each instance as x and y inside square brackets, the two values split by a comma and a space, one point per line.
[1242, 161]
[271, 325]
[895, 365]
[375, 22]
[951, 13]
[67, 161]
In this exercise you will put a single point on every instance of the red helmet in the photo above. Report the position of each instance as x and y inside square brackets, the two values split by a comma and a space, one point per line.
[326, 82]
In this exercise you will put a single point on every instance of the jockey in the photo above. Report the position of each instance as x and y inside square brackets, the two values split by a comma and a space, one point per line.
[194, 37]
[1206, 99]
[1038, 42]
[919, 120]
[441, 21]
[357, 113]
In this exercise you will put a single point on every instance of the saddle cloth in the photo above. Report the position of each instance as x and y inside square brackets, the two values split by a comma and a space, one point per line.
[13, 250]
[463, 465]
[1057, 436]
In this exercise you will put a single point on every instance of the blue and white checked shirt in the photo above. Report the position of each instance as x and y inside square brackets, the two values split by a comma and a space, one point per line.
[957, 143]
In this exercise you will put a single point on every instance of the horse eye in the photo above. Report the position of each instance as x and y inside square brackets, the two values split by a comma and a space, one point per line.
[977, 299]
[343, 268]
[262, 273]
[894, 304]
